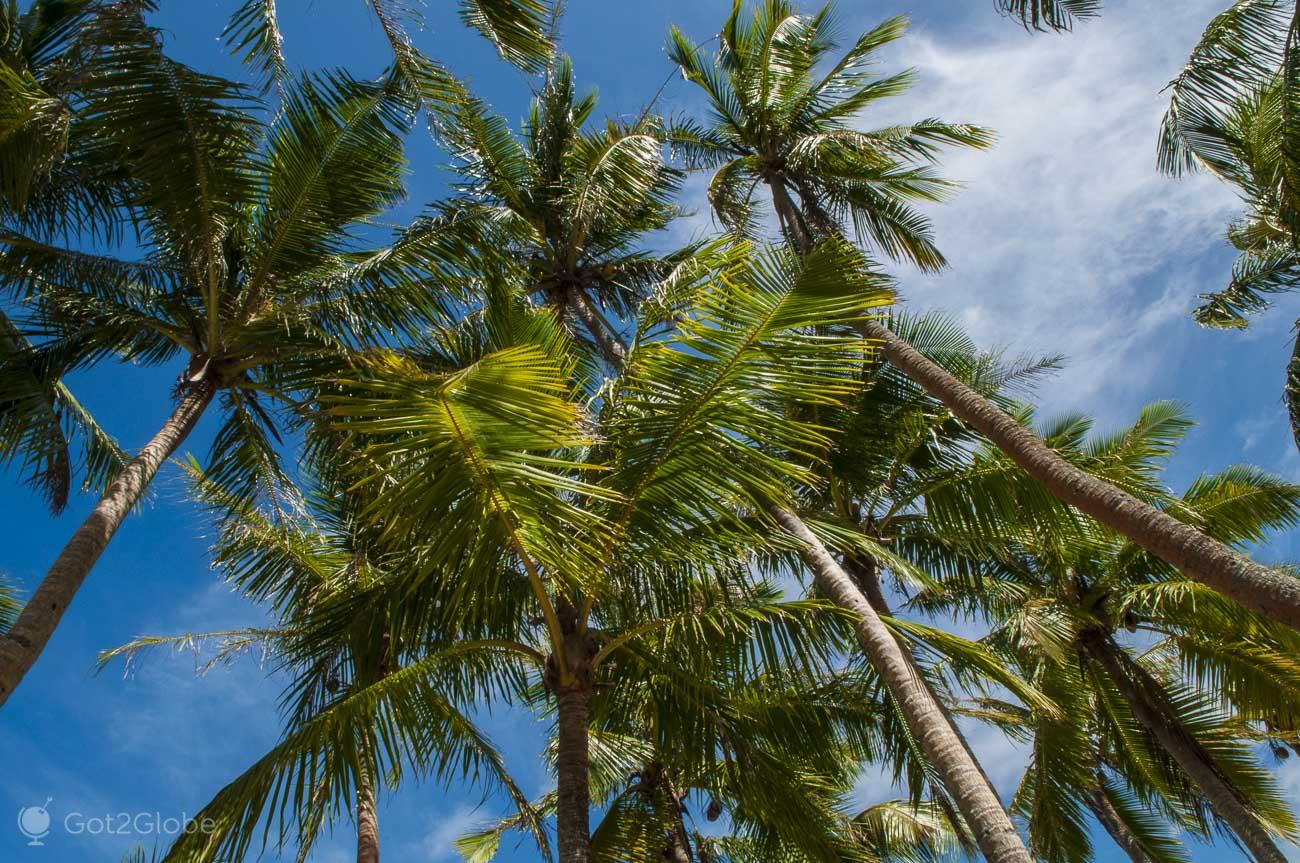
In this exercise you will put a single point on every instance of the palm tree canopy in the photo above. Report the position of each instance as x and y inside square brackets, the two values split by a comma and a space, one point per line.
[784, 113]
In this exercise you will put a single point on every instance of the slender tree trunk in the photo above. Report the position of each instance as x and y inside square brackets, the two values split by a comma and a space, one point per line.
[679, 843]
[866, 576]
[1199, 557]
[679, 840]
[22, 645]
[610, 348]
[1109, 818]
[571, 761]
[1196, 555]
[965, 781]
[1145, 698]
[367, 821]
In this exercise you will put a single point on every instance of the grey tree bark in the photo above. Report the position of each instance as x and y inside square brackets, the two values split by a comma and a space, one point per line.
[22, 645]
[994, 833]
[367, 822]
[611, 349]
[1196, 555]
[1146, 700]
[1110, 819]
[573, 820]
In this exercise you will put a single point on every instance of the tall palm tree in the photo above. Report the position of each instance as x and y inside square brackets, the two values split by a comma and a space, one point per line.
[1170, 723]
[247, 269]
[687, 442]
[763, 73]
[505, 428]
[375, 691]
[1232, 113]
[566, 205]
[780, 121]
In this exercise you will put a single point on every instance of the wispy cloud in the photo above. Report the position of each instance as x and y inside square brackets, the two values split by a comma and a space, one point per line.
[438, 842]
[1066, 238]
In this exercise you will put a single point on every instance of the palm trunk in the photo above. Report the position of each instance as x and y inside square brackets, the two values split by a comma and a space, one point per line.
[1196, 555]
[610, 347]
[22, 645]
[1109, 818]
[679, 844]
[867, 578]
[367, 821]
[679, 840]
[962, 777]
[572, 768]
[1145, 698]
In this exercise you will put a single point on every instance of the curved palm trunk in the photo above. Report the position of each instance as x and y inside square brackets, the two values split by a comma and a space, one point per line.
[1110, 819]
[572, 769]
[866, 576]
[679, 840]
[1145, 698]
[611, 349]
[22, 645]
[979, 805]
[1196, 555]
[367, 822]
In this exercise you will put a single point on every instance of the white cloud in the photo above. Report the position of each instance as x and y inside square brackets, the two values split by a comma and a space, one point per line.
[1066, 238]
[437, 844]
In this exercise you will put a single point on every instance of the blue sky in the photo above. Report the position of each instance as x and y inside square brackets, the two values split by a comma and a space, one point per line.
[1064, 240]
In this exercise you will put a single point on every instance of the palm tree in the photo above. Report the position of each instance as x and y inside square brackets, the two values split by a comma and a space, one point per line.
[566, 206]
[774, 750]
[247, 271]
[497, 421]
[1169, 723]
[43, 55]
[764, 75]
[1231, 112]
[687, 442]
[375, 689]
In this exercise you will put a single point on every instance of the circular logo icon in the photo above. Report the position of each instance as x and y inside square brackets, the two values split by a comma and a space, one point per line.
[34, 822]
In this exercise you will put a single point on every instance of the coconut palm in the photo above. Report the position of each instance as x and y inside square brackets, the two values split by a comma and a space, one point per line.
[780, 121]
[375, 690]
[1231, 112]
[247, 269]
[1170, 724]
[666, 484]
[567, 205]
[503, 431]
[763, 73]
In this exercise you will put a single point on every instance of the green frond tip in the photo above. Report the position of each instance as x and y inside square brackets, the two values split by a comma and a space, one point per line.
[1049, 14]
[519, 29]
[1254, 276]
